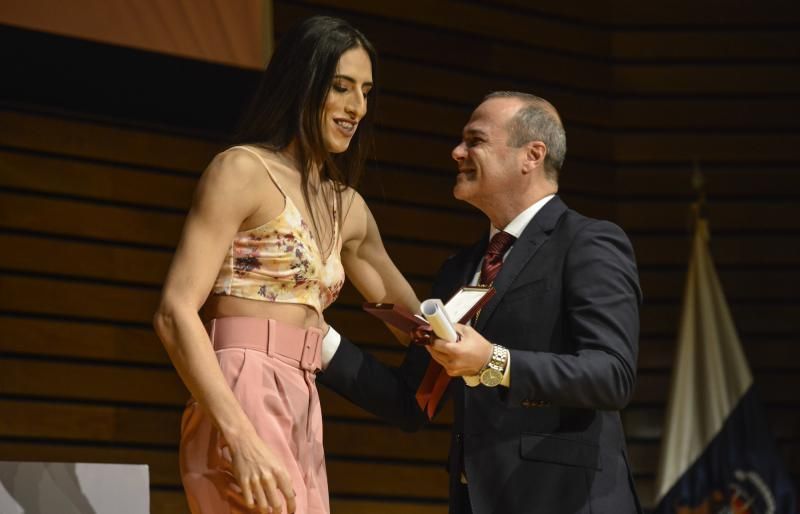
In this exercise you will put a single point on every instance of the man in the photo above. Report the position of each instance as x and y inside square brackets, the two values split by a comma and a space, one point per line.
[553, 353]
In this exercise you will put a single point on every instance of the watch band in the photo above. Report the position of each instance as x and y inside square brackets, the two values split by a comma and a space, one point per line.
[493, 371]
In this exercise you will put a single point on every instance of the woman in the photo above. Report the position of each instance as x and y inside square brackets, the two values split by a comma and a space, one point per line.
[273, 227]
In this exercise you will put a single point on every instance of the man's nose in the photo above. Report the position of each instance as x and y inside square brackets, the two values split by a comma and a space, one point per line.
[459, 152]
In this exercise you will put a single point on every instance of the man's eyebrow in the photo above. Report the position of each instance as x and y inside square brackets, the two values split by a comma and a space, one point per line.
[351, 79]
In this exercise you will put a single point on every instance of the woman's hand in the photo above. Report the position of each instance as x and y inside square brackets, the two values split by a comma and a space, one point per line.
[264, 481]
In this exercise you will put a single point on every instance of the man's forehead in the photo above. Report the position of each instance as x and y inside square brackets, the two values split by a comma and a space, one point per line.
[493, 114]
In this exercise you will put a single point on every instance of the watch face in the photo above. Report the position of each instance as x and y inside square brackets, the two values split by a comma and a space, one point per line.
[491, 377]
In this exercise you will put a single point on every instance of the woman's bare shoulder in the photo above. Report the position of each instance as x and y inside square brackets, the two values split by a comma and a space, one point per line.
[350, 197]
[241, 161]
[354, 205]
[356, 216]
[234, 173]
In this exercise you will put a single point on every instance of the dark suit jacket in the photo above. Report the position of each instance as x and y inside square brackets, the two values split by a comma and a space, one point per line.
[567, 307]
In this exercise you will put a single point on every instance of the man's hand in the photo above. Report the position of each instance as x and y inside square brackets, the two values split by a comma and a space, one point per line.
[465, 357]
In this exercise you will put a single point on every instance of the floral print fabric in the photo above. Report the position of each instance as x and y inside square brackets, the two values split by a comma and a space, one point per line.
[281, 262]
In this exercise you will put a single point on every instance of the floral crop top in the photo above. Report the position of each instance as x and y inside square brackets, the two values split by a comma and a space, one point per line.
[280, 261]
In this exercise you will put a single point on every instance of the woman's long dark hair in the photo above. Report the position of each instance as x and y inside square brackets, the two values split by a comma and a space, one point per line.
[289, 101]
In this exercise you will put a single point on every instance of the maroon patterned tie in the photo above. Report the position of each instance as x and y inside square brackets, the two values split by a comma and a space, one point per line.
[493, 260]
[435, 381]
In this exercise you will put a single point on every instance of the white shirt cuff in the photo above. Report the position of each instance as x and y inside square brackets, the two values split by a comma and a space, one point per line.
[330, 343]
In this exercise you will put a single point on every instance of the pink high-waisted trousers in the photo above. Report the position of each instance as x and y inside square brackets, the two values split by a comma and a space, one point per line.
[270, 366]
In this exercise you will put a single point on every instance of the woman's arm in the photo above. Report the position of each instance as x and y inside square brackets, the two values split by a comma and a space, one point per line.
[230, 191]
[367, 264]
[387, 392]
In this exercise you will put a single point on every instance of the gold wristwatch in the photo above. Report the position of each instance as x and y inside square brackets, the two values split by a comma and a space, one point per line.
[492, 373]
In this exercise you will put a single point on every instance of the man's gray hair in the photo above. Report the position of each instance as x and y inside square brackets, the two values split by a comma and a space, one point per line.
[537, 120]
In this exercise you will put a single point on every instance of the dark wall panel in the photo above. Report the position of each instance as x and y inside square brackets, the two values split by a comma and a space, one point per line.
[100, 150]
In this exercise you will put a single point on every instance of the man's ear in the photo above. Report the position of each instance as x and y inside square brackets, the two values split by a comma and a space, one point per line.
[535, 152]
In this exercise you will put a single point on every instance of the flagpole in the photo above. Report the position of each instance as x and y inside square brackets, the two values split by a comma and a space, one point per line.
[699, 186]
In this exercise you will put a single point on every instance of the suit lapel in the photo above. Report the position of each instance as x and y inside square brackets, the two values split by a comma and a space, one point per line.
[529, 242]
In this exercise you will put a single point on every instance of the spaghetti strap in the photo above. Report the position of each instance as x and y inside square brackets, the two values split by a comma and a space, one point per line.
[264, 163]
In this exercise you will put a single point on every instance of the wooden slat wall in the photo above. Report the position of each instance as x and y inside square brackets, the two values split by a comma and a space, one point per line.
[90, 212]
[718, 85]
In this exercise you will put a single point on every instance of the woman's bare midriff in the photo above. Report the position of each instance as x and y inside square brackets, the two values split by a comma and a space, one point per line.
[219, 306]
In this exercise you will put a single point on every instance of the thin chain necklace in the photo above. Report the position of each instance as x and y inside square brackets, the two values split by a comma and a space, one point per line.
[316, 192]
